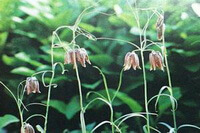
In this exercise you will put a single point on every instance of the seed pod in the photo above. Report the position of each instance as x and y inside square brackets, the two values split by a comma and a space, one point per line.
[32, 85]
[27, 129]
[160, 27]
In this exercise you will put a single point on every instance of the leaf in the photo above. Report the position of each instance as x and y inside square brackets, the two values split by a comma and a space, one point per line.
[90, 28]
[59, 106]
[186, 53]
[72, 108]
[7, 119]
[3, 37]
[101, 60]
[69, 110]
[92, 86]
[133, 104]
[193, 67]
[24, 57]
[9, 60]
[23, 71]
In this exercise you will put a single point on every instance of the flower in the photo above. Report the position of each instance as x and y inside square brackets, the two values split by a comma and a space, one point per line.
[160, 27]
[27, 129]
[69, 57]
[131, 59]
[80, 56]
[32, 85]
[156, 60]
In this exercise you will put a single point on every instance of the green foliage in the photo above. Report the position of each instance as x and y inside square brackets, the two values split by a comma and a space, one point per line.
[69, 110]
[7, 119]
[25, 38]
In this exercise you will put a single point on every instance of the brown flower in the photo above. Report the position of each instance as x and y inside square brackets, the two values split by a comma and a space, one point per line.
[69, 57]
[80, 56]
[32, 85]
[156, 60]
[27, 129]
[131, 59]
[160, 27]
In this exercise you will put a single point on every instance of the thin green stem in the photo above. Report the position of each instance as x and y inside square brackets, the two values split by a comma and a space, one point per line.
[169, 82]
[108, 95]
[145, 92]
[83, 128]
[119, 85]
[18, 105]
[50, 85]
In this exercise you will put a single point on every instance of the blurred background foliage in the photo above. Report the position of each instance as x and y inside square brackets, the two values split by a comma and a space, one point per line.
[25, 36]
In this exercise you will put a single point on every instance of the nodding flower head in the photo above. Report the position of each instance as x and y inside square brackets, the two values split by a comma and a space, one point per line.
[79, 55]
[156, 60]
[32, 85]
[27, 129]
[131, 59]
[160, 26]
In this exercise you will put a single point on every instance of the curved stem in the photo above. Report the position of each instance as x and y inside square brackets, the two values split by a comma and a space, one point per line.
[120, 40]
[18, 105]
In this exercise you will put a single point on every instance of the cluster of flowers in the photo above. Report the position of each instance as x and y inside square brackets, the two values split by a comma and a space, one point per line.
[132, 60]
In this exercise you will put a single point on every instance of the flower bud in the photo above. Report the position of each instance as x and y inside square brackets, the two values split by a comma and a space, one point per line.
[156, 60]
[131, 59]
[32, 85]
[27, 129]
[160, 27]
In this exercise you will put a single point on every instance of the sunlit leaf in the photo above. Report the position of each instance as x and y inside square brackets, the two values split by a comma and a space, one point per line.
[23, 71]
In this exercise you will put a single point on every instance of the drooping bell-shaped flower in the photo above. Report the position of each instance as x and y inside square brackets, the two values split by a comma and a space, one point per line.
[156, 60]
[131, 60]
[160, 26]
[80, 56]
[32, 85]
[69, 57]
[27, 129]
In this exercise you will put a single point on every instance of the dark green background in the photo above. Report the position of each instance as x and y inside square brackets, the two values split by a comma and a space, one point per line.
[25, 39]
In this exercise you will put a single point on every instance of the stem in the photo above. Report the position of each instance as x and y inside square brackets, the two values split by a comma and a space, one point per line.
[108, 95]
[83, 128]
[48, 102]
[119, 85]
[50, 85]
[145, 92]
[169, 82]
[18, 105]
